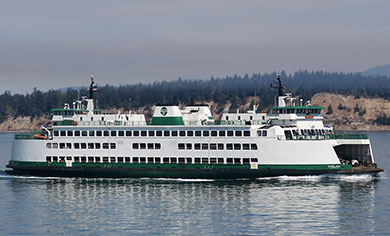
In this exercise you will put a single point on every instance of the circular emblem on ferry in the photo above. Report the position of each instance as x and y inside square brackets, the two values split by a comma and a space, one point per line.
[164, 111]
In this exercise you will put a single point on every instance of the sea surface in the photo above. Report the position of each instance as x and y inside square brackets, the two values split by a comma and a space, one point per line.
[308, 205]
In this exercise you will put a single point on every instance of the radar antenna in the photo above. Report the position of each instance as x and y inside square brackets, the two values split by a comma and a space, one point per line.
[92, 88]
[278, 85]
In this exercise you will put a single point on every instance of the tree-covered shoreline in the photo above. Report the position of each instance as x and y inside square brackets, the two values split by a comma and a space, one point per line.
[235, 88]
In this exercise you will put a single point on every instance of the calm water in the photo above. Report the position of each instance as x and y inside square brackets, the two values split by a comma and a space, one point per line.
[275, 206]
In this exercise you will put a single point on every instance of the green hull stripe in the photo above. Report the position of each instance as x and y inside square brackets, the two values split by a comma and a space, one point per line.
[167, 121]
[181, 166]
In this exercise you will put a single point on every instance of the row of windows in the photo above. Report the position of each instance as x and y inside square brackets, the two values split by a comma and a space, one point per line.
[217, 146]
[146, 145]
[81, 145]
[152, 133]
[152, 160]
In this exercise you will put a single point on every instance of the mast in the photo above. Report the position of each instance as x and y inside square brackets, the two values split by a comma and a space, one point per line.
[278, 85]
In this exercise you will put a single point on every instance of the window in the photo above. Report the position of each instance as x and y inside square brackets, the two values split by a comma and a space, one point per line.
[188, 146]
[174, 133]
[213, 160]
[222, 133]
[112, 145]
[105, 145]
[166, 133]
[247, 133]
[253, 146]
[237, 161]
[197, 160]
[62, 145]
[206, 133]
[182, 133]
[151, 133]
[205, 146]
[68, 158]
[113, 133]
[56, 133]
[157, 160]
[265, 133]
[106, 133]
[157, 146]
[150, 146]
[48, 145]
[182, 160]
[92, 133]
[198, 133]
[143, 133]
[245, 146]
[90, 145]
[76, 133]
[159, 133]
[97, 159]
[91, 159]
[214, 133]
[220, 146]
[70, 133]
[142, 160]
[135, 160]
[253, 159]
[181, 146]
[166, 160]
[245, 161]
[150, 160]
[121, 133]
[142, 145]
[190, 133]
[238, 133]
[63, 133]
[99, 133]
[136, 133]
[76, 159]
[120, 159]
[197, 146]
[55, 159]
[55, 145]
[76, 146]
[213, 146]
[105, 159]
[97, 145]
[84, 133]
[128, 134]
[205, 160]
[48, 158]
[127, 159]
[237, 146]
[229, 146]
[135, 145]
[220, 160]
[230, 133]
[189, 160]
[83, 159]
[83, 145]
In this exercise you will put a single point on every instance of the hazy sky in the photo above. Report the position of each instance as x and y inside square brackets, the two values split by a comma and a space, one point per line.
[55, 44]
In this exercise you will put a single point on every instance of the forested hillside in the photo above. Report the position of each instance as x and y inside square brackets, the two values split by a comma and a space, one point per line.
[235, 88]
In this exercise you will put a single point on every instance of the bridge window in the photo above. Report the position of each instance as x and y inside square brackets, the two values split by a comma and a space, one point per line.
[113, 133]
[106, 133]
[174, 133]
[214, 133]
[121, 133]
[206, 133]
[70, 133]
[198, 133]
[77, 133]
[143, 133]
[128, 133]
[247, 133]
[84, 133]
[159, 133]
[222, 133]
[92, 133]
[190, 133]
[63, 133]
[136, 133]
[182, 133]
[238, 133]
[230, 133]
[166, 133]
[99, 133]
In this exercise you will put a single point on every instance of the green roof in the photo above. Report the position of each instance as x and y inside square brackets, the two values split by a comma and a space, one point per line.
[298, 107]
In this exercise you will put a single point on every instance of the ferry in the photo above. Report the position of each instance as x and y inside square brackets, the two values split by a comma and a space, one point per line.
[290, 139]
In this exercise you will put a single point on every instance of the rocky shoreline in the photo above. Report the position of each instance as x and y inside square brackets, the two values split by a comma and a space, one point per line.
[342, 112]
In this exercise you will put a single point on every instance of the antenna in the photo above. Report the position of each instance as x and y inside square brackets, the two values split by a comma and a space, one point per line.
[278, 85]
